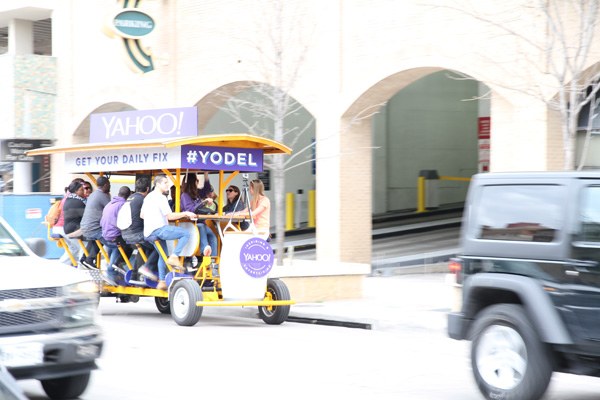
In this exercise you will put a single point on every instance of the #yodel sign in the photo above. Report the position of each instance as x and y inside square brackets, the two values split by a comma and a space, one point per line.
[221, 158]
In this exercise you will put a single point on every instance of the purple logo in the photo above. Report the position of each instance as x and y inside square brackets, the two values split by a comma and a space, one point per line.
[256, 257]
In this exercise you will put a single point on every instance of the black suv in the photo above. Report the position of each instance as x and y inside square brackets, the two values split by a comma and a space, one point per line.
[530, 274]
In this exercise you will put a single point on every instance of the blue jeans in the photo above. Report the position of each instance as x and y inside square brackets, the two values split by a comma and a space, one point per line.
[207, 237]
[113, 255]
[163, 234]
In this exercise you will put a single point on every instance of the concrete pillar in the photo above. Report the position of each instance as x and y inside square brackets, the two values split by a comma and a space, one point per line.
[22, 177]
[328, 184]
[20, 41]
[344, 204]
[327, 116]
[20, 37]
[519, 134]
[355, 202]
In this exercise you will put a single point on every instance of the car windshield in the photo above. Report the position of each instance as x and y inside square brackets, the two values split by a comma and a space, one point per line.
[8, 245]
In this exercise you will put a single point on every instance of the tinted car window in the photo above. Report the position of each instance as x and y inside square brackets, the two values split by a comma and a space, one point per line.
[529, 213]
[589, 214]
[8, 245]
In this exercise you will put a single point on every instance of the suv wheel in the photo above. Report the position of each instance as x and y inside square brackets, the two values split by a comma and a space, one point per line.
[69, 387]
[508, 359]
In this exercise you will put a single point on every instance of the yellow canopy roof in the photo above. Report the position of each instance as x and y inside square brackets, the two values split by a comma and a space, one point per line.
[237, 140]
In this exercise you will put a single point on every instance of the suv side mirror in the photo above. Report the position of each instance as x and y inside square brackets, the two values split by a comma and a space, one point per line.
[37, 245]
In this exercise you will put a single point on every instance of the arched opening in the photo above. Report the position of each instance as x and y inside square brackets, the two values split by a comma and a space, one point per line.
[261, 109]
[430, 125]
[418, 119]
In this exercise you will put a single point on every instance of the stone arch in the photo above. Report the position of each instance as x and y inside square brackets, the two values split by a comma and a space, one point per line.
[209, 105]
[356, 160]
[300, 176]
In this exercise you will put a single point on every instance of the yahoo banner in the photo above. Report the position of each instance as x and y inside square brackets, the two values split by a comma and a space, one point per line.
[127, 126]
[221, 158]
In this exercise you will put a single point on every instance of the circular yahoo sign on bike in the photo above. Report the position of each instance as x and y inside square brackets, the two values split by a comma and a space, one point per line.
[256, 257]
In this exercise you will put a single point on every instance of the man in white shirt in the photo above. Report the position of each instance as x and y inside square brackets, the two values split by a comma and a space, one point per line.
[157, 214]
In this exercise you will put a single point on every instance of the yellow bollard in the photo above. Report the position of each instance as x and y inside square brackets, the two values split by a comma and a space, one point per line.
[421, 194]
[289, 211]
[312, 209]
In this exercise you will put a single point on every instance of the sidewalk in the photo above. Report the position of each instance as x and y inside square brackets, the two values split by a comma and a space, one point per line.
[415, 300]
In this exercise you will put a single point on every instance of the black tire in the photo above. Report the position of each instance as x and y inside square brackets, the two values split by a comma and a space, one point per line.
[162, 305]
[70, 387]
[275, 315]
[508, 359]
[184, 296]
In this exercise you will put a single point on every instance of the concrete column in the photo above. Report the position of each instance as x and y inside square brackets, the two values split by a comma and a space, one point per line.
[20, 41]
[21, 177]
[519, 136]
[328, 184]
[327, 116]
[356, 166]
[20, 37]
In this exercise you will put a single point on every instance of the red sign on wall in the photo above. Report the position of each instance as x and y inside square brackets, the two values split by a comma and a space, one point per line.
[483, 139]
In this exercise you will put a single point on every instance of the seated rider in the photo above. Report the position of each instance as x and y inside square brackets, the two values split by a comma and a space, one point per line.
[112, 234]
[90, 222]
[157, 214]
[235, 203]
[134, 234]
[191, 200]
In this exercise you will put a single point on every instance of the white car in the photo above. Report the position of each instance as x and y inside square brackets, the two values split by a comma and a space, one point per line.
[48, 318]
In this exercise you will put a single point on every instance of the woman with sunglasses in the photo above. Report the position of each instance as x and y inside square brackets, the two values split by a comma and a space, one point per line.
[235, 203]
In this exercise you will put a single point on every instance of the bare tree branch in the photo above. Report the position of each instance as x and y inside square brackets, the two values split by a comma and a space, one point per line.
[565, 48]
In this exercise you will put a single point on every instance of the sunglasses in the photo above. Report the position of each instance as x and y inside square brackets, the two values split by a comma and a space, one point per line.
[230, 190]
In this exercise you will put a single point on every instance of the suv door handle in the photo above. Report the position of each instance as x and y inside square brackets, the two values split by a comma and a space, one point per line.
[582, 265]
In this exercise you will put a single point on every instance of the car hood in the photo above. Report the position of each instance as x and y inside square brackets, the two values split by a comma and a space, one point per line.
[33, 272]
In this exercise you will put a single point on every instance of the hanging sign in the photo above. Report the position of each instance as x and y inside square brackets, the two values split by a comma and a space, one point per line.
[127, 126]
[207, 158]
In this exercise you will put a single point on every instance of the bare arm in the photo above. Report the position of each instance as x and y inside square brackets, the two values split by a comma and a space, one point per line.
[183, 214]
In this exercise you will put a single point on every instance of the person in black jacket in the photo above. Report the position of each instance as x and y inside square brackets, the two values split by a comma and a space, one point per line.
[73, 209]
[135, 232]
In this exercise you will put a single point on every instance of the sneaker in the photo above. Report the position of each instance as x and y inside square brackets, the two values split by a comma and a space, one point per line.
[161, 285]
[145, 271]
[173, 261]
[108, 279]
[87, 264]
[207, 251]
[188, 265]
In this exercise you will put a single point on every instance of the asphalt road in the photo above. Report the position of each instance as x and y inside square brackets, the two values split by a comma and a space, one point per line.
[231, 354]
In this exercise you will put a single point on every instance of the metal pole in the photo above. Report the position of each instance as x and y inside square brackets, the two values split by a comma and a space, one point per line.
[289, 211]
[421, 194]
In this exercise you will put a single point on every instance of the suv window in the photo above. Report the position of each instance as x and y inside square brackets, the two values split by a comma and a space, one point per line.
[519, 213]
[589, 214]
[8, 245]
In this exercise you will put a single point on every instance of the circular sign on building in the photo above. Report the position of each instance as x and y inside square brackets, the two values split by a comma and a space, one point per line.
[133, 24]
